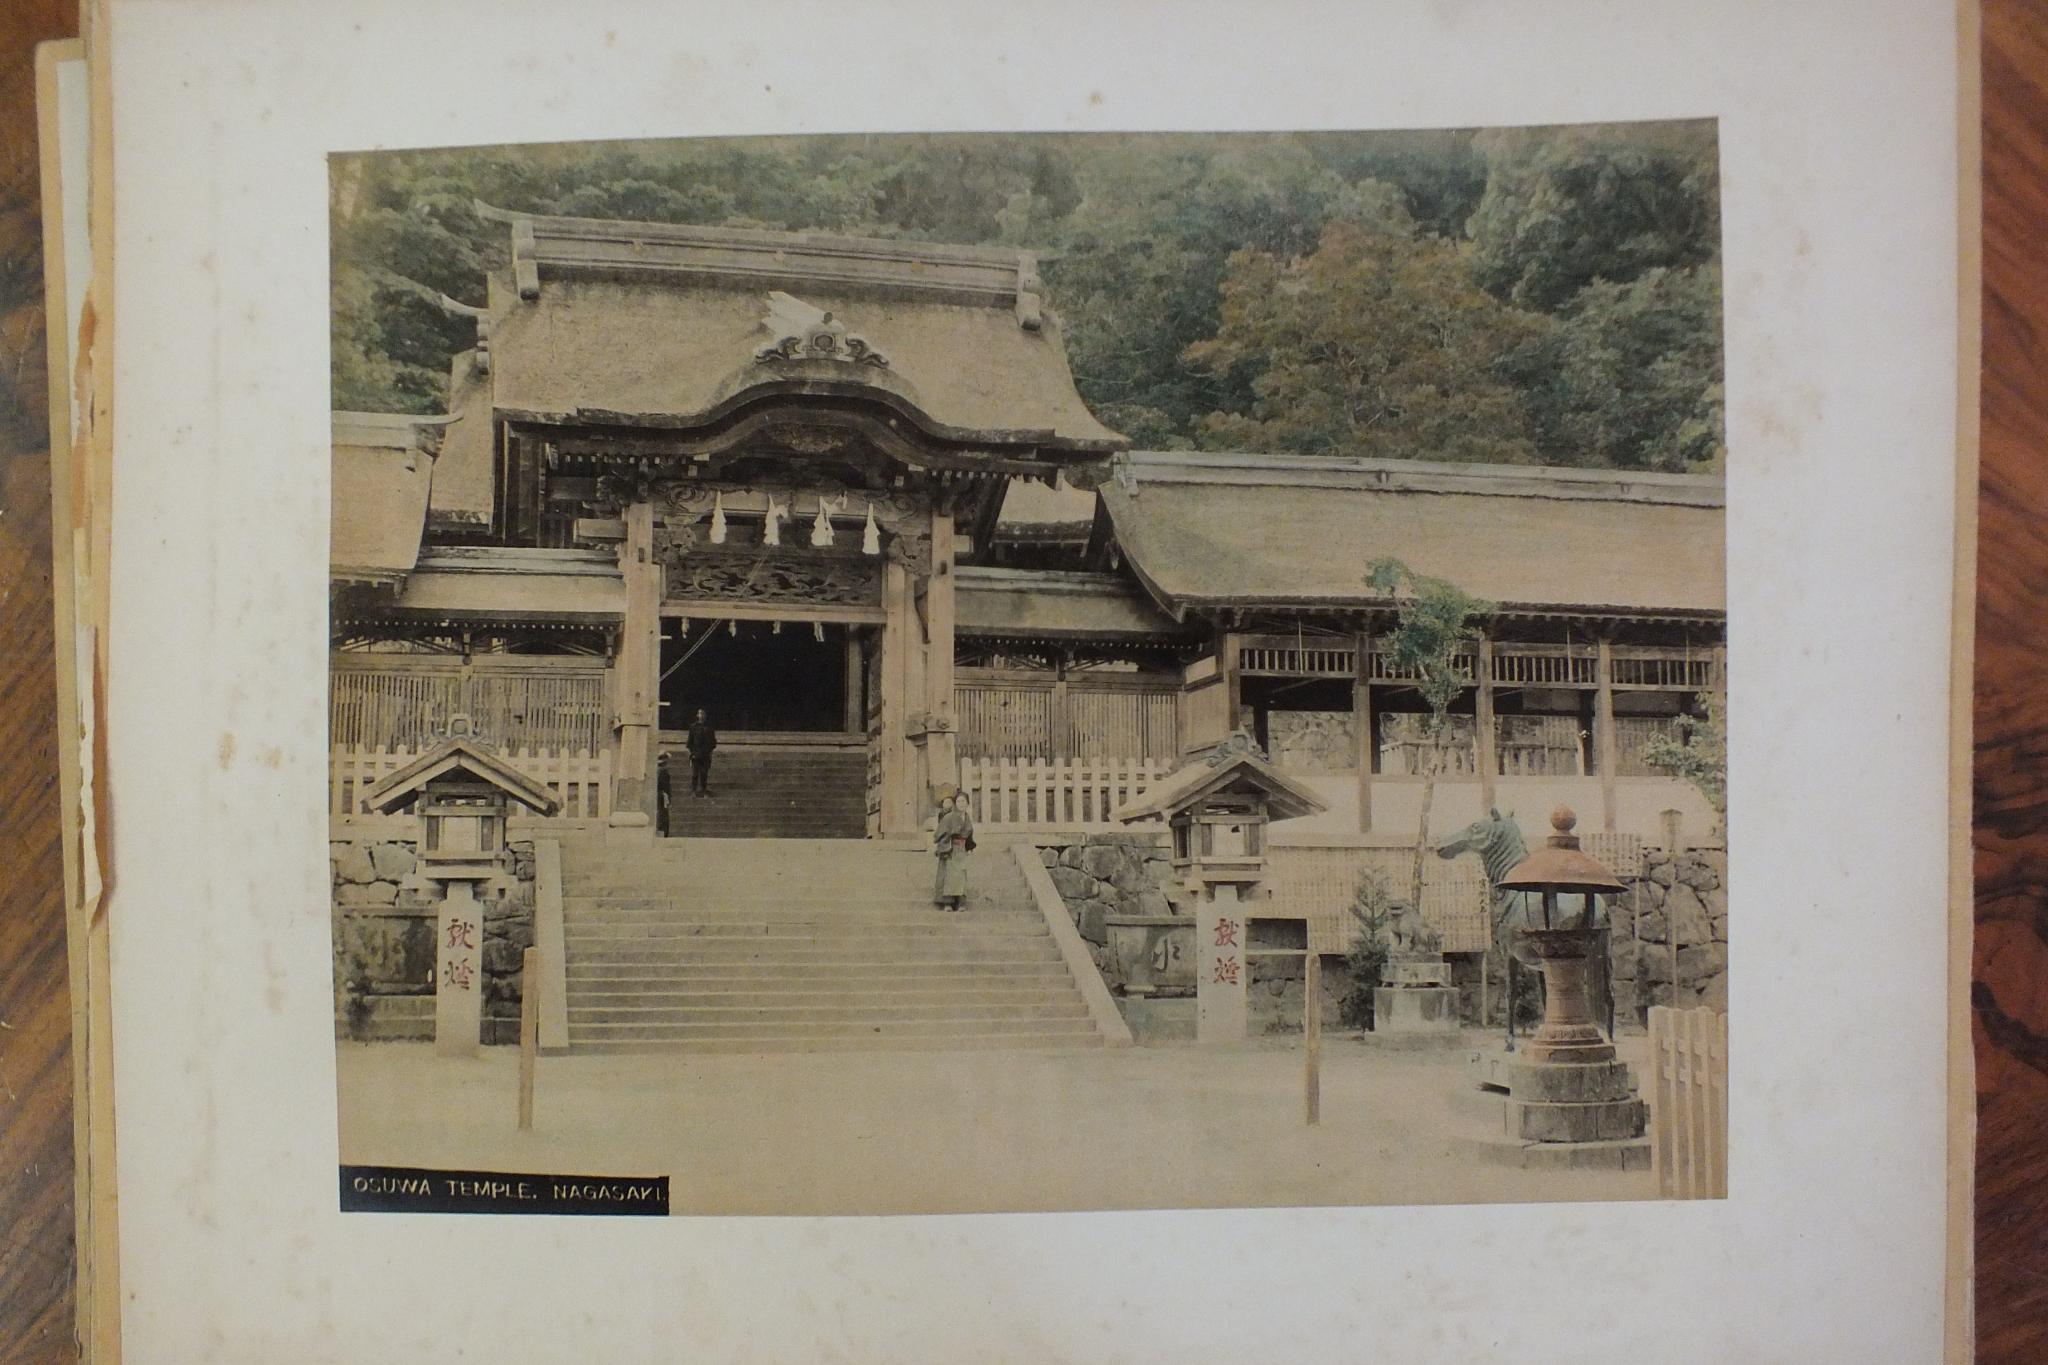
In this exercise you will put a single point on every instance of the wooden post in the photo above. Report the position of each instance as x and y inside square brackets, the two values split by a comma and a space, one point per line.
[1484, 739]
[637, 670]
[1230, 656]
[1312, 1035]
[1604, 757]
[853, 721]
[898, 804]
[529, 1032]
[941, 761]
[1361, 721]
[1486, 984]
[1670, 819]
[1060, 747]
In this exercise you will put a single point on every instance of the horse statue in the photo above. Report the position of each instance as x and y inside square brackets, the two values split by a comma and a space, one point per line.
[1498, 841]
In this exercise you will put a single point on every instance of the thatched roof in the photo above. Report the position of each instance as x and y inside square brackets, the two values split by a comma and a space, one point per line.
[644, 324]
[383, 467]
[1024, 604]
[485, 585]
[1236, 530]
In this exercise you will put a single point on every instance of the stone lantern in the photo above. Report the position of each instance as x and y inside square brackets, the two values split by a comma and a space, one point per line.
[1567, 1086]
[1218, 809]
[461, 793]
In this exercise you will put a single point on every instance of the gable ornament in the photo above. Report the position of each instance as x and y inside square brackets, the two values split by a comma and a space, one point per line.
[802, 331]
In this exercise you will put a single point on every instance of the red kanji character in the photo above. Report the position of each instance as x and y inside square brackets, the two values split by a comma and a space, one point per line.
[1226, 933]
[1226, 971]
[459, 974]
[461, 933]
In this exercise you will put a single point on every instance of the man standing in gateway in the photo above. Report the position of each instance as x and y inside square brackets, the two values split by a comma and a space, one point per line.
[703, 739]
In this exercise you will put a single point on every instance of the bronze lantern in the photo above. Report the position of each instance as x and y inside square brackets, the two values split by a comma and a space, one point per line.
[1566, 942]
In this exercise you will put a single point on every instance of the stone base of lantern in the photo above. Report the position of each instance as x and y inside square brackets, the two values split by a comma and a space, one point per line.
[1559, 1107]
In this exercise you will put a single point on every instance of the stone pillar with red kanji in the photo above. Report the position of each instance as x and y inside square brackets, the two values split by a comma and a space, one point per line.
[1221, 970]
[459, 972]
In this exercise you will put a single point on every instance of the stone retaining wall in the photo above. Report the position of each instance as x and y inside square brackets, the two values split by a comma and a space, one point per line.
[384, 940]
[1683, 896]
[1102, 875]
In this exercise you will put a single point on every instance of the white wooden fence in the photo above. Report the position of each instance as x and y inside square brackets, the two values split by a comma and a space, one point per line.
[1054, 794]
[579, 778]
[1689, 1102]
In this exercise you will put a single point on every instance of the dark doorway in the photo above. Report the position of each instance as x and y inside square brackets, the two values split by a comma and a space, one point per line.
[752, 676]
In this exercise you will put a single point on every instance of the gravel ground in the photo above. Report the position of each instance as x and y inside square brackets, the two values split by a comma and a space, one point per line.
[866, 1133]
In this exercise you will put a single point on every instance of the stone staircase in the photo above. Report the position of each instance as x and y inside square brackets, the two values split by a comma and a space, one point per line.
[781, 791]
[806, 945]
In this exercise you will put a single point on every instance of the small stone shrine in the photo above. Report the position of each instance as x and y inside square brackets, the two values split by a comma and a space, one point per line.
[461, 792]
[1218, 808]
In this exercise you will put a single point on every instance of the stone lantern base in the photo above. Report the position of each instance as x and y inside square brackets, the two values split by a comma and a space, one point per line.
[1564, 1099]
[1551, 1102]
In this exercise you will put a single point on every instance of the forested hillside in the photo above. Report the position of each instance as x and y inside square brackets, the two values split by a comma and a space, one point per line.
[1531, 296]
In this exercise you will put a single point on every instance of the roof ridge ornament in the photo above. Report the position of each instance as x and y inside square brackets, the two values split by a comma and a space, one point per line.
[803, 331]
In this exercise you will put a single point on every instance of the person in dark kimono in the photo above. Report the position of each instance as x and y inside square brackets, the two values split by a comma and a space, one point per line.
[952, 841]
[703, 739]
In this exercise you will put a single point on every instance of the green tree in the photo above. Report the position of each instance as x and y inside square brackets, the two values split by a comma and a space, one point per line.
[1564, 207]
[1146, 242]
[1698, 752]
[1433, 628]
[1137, 270]
[1628, 376]
[1379, 343]
[1371, 909]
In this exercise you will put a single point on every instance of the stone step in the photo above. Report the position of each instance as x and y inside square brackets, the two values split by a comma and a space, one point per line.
[582, 1016]
[805, 944]
[766, 1030]
[743, 900]
[664, 994]
[805, 1041]
[859, 917]
[879, 975]
[860, 951]
[823, 929]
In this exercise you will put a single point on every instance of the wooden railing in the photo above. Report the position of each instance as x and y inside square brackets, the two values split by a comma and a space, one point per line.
[382, 700]
[578, 778]
[1632, 736]
[1689, 1102]
[1057, 794]
[1012, 713]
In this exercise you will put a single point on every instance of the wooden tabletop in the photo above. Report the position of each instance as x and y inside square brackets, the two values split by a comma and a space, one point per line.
[36, 1318]
[2010, 994]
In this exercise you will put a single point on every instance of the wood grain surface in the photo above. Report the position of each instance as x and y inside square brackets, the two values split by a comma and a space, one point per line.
[36, 1253]
[2009, 993]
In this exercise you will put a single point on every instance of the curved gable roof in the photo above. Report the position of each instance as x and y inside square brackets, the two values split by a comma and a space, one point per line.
[649, 323]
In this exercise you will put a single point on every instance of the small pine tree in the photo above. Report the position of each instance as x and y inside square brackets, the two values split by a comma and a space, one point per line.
[1371, 907]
